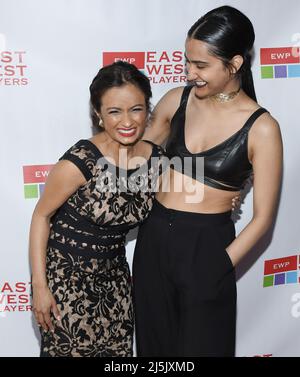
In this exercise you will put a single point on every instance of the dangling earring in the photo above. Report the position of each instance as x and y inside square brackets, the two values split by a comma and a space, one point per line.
[100, 122]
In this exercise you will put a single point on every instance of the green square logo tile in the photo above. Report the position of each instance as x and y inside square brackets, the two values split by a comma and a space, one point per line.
[267, 72]
[31, 191]
[268, 281]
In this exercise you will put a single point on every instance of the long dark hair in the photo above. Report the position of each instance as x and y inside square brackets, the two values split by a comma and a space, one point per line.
[228, 32]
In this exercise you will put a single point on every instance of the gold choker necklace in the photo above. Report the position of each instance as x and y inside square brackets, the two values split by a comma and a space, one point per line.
[223, 97]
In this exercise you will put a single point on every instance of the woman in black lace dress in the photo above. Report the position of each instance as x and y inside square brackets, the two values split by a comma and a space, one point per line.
[80, 276]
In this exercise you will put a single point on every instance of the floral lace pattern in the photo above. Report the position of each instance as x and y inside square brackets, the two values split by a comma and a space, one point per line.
[86, 266]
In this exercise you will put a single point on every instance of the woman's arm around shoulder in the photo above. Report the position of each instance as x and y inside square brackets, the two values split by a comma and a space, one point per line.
[160, 120]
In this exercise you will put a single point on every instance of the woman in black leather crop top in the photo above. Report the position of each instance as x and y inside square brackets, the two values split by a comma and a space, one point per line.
[217, 137]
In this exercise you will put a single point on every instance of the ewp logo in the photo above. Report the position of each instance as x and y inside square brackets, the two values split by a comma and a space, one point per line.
[136, 58]
[282, 62]
[161, 67]
[34, 180]
[282, 271]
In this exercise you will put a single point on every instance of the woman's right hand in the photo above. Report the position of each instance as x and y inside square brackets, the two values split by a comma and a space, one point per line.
[43, 304]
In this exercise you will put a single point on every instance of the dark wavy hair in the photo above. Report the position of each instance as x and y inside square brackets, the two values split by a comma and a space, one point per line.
[116, 75]
[228, 32]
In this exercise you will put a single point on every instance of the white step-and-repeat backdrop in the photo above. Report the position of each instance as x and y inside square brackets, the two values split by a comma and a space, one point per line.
[49, 53]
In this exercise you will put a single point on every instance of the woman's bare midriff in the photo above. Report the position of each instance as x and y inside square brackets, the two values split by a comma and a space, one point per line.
[182, 193]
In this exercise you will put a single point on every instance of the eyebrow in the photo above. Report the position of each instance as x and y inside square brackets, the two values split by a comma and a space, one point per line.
[195, 61]
[118, 108]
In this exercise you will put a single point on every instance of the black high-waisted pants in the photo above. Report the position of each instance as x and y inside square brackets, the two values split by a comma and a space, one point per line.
[184, 284]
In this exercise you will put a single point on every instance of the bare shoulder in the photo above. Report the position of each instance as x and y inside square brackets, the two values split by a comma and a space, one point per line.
[175, 93]
[265, 127]
[169, 103]
[265, 138]
[173, 96]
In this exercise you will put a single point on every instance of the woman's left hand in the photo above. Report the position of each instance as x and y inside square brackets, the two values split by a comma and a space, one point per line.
[236, 202]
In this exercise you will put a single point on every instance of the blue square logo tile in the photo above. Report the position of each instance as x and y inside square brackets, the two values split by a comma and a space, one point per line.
[41, 188]
[279, 279]
[280, 71]
[291, 277]
[294, 70]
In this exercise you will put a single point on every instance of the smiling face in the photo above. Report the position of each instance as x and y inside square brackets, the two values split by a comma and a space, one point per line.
[124, 113]
[205, 71]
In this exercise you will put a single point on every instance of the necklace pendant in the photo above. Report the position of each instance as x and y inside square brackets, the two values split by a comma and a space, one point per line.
[224, 97]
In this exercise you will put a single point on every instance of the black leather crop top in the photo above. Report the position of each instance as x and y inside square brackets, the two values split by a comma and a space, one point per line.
[226, 165]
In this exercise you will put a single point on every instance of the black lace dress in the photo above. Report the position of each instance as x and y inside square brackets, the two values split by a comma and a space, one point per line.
[86, 266]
